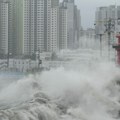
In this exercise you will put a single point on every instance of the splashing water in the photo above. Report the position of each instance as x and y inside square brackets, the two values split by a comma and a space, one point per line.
[91, 93]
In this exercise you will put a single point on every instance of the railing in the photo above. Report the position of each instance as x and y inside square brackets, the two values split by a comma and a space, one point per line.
[3, 65]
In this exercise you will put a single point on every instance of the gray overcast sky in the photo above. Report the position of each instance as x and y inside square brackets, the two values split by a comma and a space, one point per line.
[88, 8]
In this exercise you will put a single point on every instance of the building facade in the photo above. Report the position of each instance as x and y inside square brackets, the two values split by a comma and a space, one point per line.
[101, 18]
[77, 22]
[103, 15]
[4, 27]
[28, 26]
[107, 23]
[47, 22]
[33, 26]
[73, 24]
[63, 27]
[54, 38]
[70, 22]
[54, 3]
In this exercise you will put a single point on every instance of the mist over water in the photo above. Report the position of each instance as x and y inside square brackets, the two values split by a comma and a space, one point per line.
[76, 92]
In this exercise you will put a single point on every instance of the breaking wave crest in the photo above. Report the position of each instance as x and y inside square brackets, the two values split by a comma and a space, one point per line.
[61, 94]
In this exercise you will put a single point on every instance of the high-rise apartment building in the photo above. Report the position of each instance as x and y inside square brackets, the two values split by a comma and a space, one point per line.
[3, 27]
[73, 24]
[54, 34]
[11, 27]
[18, 26]
[24, 24]
[77, 23]
[70, 21]
[62, 27]
[103, 15]
[65, 25]
[33, 39]
[28, 26]
[107, 23]
[47, 22]
[54, 3]
[40, 23]
[101, 18]
[54, 26]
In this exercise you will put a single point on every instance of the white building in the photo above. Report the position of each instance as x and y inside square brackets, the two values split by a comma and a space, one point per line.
[101, 18]
[77, 24]
[28, 26]
[3, 27]
[70, 20]
[47, 24]
[29, 22]
[62, 27]
[54, 39]
[103, 15]
[105, 22]
[22, 65]
[33, 26]
[73, 24]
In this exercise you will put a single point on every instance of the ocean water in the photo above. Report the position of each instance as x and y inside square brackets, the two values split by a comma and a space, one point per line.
[66, 93]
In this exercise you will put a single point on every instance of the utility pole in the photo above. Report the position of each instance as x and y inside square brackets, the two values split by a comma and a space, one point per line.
[110, 27]
[100, 36]
[100, 44]
[39, 60]
[8, 58]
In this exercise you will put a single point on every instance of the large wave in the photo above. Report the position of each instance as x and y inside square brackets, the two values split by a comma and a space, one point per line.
[91, 93]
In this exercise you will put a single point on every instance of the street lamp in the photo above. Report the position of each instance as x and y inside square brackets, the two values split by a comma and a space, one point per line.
[8, 57]
[38, 58]
[100, 36]
[110, 28]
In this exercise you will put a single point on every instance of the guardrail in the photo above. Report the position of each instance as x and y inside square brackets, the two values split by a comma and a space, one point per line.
[3, 65]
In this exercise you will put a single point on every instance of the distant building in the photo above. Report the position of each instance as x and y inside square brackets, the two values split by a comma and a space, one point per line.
[103, 14]
[47, 24]
[63, 27]
[70, 21]
[77, 21]
[54, 39]
[100, 20]
[73, 24]
[107, 20]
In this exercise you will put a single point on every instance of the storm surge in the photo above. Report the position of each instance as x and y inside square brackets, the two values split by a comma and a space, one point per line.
[87, 93]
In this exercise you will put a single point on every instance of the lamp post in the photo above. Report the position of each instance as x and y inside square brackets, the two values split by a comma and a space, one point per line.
[110, 28]
[38, 58]
[100, 38]
[101, 43]
[8, 57]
